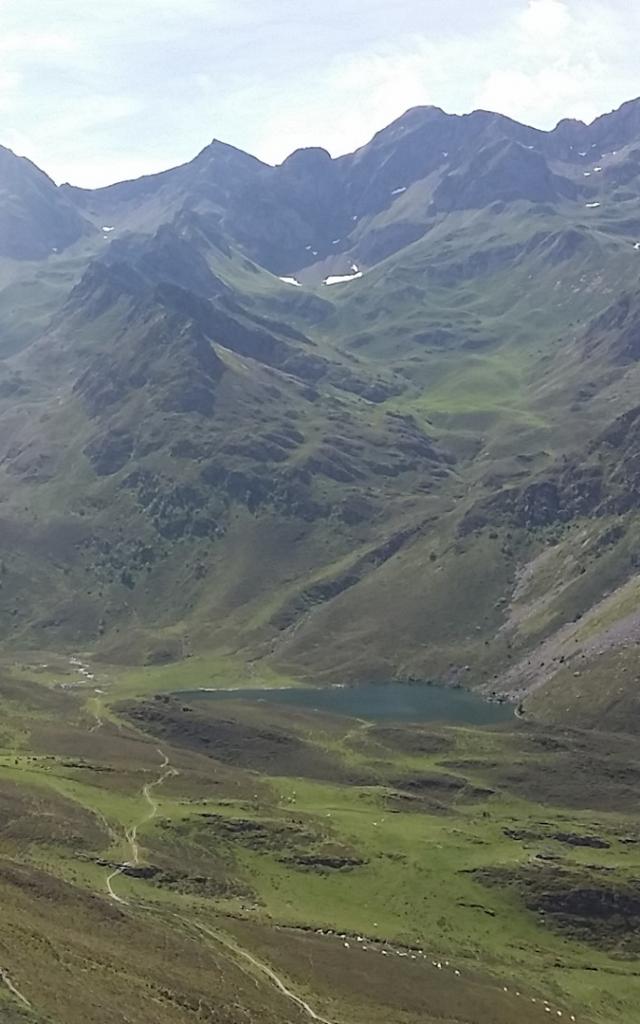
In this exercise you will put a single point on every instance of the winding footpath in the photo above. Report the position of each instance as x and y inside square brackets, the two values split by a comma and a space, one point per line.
[7, 982]
[99, 721]
[131, 834]
[264, 969]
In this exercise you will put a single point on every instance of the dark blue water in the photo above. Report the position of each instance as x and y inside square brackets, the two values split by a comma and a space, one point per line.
[393, 701]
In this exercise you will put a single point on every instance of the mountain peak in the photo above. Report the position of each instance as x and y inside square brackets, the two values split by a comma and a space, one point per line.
[570, 123]
[631, 106]
[35, 217]
[619, 127]
[307, 158]
[224, 151]
[416, 117]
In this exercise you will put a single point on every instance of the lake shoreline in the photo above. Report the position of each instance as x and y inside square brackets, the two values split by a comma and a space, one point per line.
[376, 701]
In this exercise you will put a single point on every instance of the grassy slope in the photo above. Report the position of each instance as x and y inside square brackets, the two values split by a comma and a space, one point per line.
[505, 401]
[478, 323]
[262, 798]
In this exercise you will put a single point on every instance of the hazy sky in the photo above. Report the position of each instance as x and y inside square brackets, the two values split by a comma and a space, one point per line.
[100, 90]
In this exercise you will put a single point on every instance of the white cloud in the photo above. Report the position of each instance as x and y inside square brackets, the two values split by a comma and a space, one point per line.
[9, 85]
[347, 106]
[563, 61]
[92, 173]
[545, 18]
[533, 95]
[26, 43]
[550, 59]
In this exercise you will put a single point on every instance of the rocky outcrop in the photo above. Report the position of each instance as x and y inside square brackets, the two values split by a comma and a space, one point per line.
[575, 839]
[587, 903]
[164, 354]
[108, 453]
[605, 482]
[176, 509]
[615, 333]
[506, 171]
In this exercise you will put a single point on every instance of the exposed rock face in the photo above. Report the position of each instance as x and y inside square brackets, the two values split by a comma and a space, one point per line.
[110, 453]
[616, 331]
[170, 256]
[172, 358]
[606, 482]
[503, 172]
[176, 510]
[101, 287]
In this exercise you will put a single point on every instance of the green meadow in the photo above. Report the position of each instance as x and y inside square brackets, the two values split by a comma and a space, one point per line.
[231, 861]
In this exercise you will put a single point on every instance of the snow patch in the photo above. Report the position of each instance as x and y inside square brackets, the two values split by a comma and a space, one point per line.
[342, 278]
[637, 246]
[399, 191]
[591, 206]
[336, 241]
[587, 174]
[108, 228]
[597, 170]
[291, 280]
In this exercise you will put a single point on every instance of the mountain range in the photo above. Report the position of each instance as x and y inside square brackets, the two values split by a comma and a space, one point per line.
[373, 417]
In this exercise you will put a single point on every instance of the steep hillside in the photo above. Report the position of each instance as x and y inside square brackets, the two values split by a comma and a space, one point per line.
[373, 417]
[35, 217]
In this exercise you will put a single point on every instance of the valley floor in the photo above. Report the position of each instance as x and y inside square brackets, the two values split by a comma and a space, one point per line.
[173, 862]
